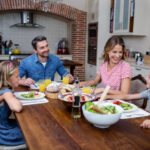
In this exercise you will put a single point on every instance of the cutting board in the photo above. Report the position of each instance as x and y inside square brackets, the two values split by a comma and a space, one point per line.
[147, 59]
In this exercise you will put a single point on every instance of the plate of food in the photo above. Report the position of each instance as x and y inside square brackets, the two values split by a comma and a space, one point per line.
[64, 88]
[127, 107]
[29, 95]
[67, 97]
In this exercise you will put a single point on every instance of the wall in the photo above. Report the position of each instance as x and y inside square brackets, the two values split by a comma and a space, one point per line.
[137, 43]
[79, 4]
[54, 29]
[78, 24]
[93, 10]
[141, 44]
[103, 27]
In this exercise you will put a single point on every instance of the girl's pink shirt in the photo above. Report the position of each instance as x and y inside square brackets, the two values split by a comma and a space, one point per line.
[114, 77]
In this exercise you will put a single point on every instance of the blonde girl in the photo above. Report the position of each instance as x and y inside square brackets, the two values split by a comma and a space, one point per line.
[10, 133]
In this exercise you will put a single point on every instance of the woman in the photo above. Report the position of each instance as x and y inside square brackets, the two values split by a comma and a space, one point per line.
[114, 71]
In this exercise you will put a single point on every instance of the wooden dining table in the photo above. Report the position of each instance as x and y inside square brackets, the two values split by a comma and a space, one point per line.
[49, 126]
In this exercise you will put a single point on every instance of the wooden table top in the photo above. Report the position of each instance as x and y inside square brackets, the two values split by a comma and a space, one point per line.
[50, 126]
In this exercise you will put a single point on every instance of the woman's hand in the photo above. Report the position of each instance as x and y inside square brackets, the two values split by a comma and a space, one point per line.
[99, 91]
[145, 124]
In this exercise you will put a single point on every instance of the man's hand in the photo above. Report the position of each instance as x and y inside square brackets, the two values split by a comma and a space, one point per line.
[26, 82]
[71, 78]
[145, 124]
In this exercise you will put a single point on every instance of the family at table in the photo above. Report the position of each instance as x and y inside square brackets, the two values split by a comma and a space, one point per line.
[115, 72]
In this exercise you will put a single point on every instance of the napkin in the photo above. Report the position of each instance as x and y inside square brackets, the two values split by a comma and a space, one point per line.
[135, 114]
[32, 102]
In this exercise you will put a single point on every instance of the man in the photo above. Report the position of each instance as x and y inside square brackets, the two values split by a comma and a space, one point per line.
[41, 65]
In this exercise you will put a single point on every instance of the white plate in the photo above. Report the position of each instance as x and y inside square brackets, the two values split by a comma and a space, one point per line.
[19, 95]
[62, 97]
[36, 85]
[134, 107]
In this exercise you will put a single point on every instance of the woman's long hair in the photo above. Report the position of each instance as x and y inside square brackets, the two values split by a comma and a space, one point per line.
[110, 44]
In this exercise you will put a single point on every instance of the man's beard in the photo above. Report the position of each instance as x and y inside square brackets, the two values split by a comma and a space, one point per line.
[43, 56]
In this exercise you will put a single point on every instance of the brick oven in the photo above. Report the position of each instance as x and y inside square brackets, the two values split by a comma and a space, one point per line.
[78, 18]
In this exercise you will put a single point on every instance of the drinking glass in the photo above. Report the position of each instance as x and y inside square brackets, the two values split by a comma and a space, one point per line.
[86, 89]
[66, 80]
[47, 81]
[42, 86]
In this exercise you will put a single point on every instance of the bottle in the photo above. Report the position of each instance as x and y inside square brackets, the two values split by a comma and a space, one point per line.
[76, 111]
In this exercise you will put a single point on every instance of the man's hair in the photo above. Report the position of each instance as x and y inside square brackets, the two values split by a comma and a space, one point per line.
[38, 39]
[7, 69]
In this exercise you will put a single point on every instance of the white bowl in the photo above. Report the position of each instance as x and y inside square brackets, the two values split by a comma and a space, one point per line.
[102, 120]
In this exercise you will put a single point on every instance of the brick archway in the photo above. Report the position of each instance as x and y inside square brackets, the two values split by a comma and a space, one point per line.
[78, 26]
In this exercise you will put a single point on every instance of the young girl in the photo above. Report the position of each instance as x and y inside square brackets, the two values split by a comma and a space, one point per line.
[10, 133]
[144, 94]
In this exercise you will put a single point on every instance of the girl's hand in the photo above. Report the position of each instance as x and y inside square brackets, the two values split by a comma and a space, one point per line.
[71, 78]
[145, 124]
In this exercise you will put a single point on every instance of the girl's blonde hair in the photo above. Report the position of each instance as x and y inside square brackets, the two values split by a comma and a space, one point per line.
[110, 44]
[7, 68]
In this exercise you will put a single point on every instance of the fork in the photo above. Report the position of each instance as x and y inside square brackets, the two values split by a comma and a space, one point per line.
[35, 85]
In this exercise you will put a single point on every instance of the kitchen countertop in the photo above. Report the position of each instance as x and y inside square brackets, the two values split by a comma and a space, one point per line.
[133, 63]
[4, 57]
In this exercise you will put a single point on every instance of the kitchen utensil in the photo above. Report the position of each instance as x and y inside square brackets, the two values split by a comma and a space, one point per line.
[96, 109]
[16, 50]
[103, 95]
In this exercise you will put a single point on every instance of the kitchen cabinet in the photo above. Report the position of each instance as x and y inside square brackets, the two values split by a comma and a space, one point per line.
[129, 17]
[4, 57]
[65, 57]
[139, 70]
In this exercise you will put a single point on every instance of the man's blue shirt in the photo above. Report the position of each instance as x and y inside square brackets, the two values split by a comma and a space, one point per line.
[34, 69]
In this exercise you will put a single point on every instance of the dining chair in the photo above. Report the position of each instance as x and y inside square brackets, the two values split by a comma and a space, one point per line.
[18, 147]
[138, 84]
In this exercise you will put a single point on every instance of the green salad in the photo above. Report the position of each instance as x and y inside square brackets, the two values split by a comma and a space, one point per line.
[126, 106]
[109, 109]
[28, 95]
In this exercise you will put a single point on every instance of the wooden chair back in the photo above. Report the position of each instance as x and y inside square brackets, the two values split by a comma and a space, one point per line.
[138, 84]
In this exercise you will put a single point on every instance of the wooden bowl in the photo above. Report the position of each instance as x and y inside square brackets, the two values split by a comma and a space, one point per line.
[52, 95]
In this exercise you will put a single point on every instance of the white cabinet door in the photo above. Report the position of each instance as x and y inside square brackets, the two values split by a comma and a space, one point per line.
[129, 17]
[90, 72]
[121, 15]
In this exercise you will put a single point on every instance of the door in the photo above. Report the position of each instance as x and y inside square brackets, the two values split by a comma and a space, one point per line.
[92, 43]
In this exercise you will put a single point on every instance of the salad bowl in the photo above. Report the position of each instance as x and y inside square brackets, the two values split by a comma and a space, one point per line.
[102, 120]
